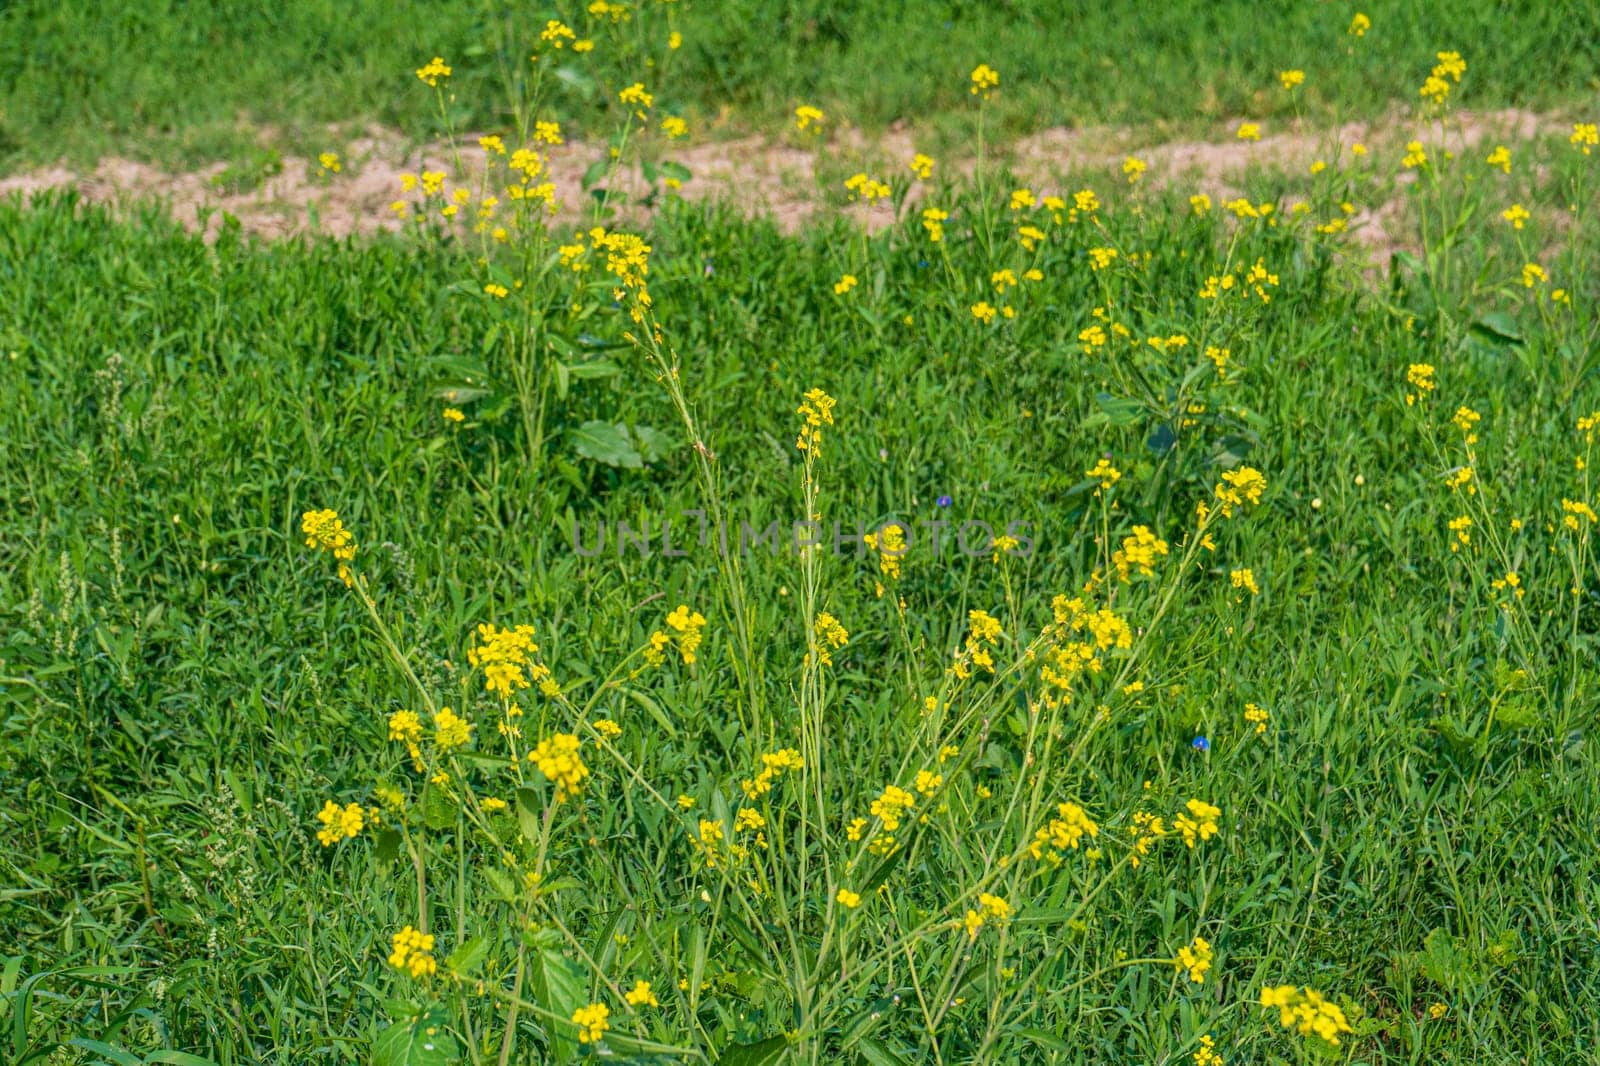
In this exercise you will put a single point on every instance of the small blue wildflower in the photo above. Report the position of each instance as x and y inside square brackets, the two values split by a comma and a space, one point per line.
[943, 501]
[1202, 744]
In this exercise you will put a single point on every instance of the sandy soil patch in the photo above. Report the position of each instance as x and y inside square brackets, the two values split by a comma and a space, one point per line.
[765, 176]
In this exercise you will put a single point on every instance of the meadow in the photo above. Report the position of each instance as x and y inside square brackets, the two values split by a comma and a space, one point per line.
[1110, 622]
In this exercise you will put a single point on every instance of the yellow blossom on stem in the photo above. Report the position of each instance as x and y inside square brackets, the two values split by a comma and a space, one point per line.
[450, 730]
[559, 760]
[324, 532]
[830, 635]
[1103, 472]
[340, 823]
[592, 1022]
[1257, 717]
[636, 96]
[640, 995]
[1200, 823]
[1196, 959]
[412, 952]
[816, 409]
[432, 71]
[1305, 1010]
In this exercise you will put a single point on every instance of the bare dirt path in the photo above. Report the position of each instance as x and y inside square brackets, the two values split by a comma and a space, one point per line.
[763, 175]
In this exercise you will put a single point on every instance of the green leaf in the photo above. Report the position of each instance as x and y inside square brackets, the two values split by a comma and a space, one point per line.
[112, 1054]
[1047, 1040]
[653, 709]
[438, 810]
[761, 1053]
[504, 888]
[558, 987]
[465, 959]
[576, 79]
[1115, 411]
[607, 443]
[386, 845]
[177, 1058]
[1498, 328]
[530, 814]
[877, 1054]
[584, 371]
[652, 443]
[418, 1041]
[676, 171]
[596, 171]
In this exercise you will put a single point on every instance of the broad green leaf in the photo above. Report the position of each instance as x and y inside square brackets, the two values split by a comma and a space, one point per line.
[418, 1041]
[607, 443]
[438, 810]
[1115, 411]
[530, 814]
[1498, 328]
[558, 987]
[386, 845]
[596, 171]
[577, 79]
[466, 959]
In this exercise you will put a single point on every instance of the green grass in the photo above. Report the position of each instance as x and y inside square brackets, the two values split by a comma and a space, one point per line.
[184, 683]
[182, 84]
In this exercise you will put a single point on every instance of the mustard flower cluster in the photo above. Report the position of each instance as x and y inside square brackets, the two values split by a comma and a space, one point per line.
[508, 658]
[1199, 823]
[560, 761]
[1195, 959]
[985, 79]
[773, 766]
[816, 411]
[592, 1022]
[991, 908]
[412, 952]
[983, 634]
[687, 633]
[830, 636]
[1305, 1010]
[1062, 833]
[1139, 552]
[324, 532]
[340, 823]
[1078, 640]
